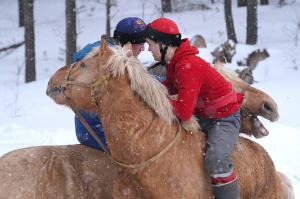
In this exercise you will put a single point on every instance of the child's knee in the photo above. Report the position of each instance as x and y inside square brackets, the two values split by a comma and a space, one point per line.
[217, 164]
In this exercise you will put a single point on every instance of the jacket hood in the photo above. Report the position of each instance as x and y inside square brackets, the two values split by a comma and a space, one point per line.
[184, 49]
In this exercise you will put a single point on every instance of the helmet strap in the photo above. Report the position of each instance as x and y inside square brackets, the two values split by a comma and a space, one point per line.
[163, 52]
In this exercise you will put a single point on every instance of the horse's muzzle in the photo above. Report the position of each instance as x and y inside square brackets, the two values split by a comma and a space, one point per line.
[51, 91]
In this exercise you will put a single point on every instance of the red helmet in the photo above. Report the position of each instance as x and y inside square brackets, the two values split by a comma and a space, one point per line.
[163, 31]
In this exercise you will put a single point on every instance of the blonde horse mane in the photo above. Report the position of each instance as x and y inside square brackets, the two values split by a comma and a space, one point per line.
[144, 84]
[227, 73]
[152, 91]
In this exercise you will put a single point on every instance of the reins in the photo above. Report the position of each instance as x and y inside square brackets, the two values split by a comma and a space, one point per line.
[93, 99]
[245, 88]
[244, 112]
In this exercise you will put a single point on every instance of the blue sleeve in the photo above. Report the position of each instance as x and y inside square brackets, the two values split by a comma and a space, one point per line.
[79, 55]
[84, 136]
[91, 118]
[158, 78]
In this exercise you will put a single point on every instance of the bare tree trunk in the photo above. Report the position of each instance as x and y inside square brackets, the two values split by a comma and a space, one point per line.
[143, 8]
[242, 3]
[251, 22]
[21, 14]
[229, 21]
[166, 6]
[264, 2]
[71, 34]
[30, 74]
[108, 5]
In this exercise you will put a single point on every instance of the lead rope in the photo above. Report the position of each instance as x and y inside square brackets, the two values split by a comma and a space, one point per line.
[133, 166]
[93, 88]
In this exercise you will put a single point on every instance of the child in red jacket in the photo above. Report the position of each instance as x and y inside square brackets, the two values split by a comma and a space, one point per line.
[204, 92]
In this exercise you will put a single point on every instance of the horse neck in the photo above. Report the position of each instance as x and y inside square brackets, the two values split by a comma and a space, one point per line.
[130, 125]
[238, 86]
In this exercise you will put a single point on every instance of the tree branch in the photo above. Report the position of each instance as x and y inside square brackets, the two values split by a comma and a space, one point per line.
[12, 46]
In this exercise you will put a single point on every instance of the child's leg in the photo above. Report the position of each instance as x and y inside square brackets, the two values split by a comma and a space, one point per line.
[223, 134]
[220, 143]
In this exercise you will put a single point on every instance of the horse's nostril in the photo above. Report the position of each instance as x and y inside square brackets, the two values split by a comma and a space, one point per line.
[268, 108]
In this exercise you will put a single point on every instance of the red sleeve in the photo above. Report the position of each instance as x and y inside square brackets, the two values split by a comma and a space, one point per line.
[240, 98]
[189, 80]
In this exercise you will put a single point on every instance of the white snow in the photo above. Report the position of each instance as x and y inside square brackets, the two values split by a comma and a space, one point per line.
[29, 118]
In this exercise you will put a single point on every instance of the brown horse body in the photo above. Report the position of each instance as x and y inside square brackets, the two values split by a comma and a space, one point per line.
[51, 172]
[138, 125]
[78, 171]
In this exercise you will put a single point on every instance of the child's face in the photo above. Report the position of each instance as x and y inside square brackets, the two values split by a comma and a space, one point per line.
[137, 49]
[154, 48]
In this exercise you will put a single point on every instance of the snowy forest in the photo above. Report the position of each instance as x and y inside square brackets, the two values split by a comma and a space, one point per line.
[258, 39]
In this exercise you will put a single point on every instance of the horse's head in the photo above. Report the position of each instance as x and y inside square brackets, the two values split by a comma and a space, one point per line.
[84, 81]
[256, 103]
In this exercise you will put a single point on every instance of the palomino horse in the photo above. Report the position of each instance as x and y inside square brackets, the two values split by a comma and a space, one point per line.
[138, 122]
[67, 171]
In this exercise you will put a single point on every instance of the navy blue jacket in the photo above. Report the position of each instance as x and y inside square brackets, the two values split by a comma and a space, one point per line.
[84, 136]
[86, 50]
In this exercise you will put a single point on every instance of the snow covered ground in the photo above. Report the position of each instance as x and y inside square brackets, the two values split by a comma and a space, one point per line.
[29, 118]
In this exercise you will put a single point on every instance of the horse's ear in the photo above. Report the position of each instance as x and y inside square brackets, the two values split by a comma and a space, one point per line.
[104, 52]
[218, 63]
[128, 49]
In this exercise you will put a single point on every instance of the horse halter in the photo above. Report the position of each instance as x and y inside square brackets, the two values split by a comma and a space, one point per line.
[244, 112]
[94, 86]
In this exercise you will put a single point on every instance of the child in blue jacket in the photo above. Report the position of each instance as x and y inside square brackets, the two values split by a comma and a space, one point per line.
[128, 30]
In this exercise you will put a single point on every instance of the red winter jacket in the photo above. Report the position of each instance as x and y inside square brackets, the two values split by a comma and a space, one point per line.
[200, 88]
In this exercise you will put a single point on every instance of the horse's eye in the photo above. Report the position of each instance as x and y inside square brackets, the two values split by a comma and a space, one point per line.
[82, 65]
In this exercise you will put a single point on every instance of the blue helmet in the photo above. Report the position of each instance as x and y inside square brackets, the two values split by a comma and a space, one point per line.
[130, 30]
